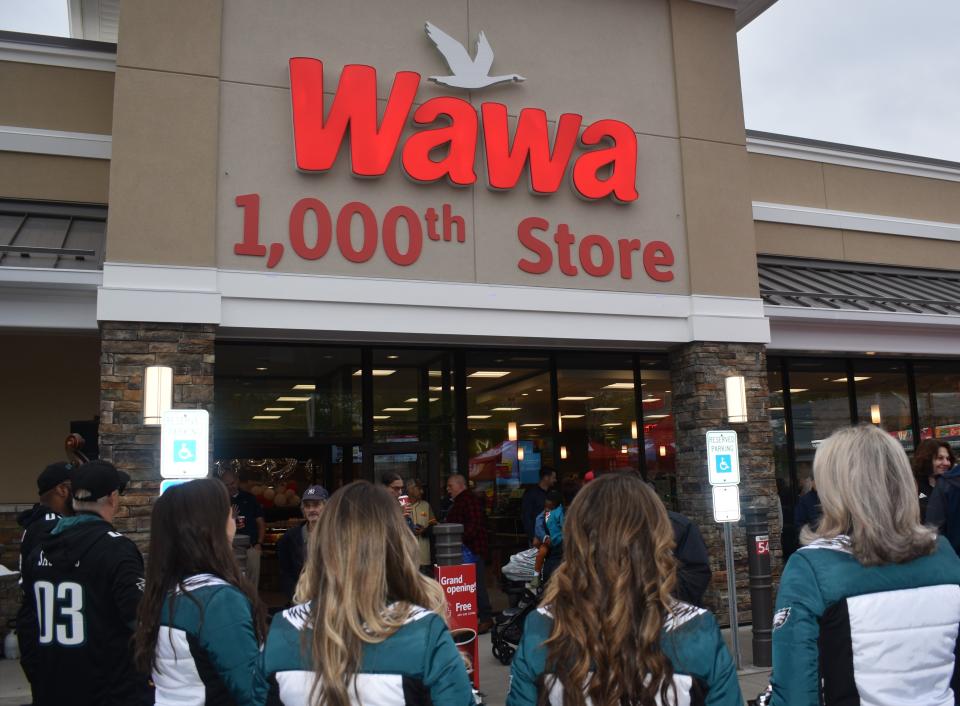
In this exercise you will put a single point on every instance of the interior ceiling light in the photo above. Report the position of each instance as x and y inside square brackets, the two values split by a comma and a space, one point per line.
[612, 424]
[376, 373]
[538, 424]
[856, 378]
[435, 373]
[652, 399]
[266, 416]
[261, 369]
[633, 430]
[505, 409]
[304, 387]
[655, 416]
[604, 409]
[392, 357]
[381, 416]
[539, 389]
[512, 431]
[571, 416]
[489, 374]
[776, 409]
[294, 399]
[479, 416]
[278, 409]
[619, 386]
[397, 409]
[575, 398]
[435, 388]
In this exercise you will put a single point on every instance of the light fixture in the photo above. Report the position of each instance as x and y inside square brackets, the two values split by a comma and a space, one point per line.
[533, 424]
[634, 432]
[294, 399]
[652, 399]
[539, 389]
[524, 394]
[505, 409]
[624, 449]
[435, 388]
[519, 453]
[377, 373]
[619, 386]
[563, 453]
[511, 431]
[871, 352]
[435, 373]
[663, 451]
[736, 399]
[875, 414]
[479, 416]
[397, 409]
[266, 416]
[655, 416]
[612, 424]
[392, 357]
[560, 424]
[856, 378]
[489, 374]
[604, 409]
[571, 416]
[304, 387]
[157, 393]
[575, 398]
[278, 409]
[776, 409]
[381, 416]
[261, 369]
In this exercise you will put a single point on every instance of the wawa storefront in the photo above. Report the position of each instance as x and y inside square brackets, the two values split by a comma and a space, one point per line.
[527, 236]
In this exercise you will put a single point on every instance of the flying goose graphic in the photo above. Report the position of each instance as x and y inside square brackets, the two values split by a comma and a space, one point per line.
[467, 72]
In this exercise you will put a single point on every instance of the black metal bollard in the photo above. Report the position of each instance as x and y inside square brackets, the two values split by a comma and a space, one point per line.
[448, 545]
[761, 585]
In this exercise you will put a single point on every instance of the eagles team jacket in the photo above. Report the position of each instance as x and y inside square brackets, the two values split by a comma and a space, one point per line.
[417, 665]
[37, 522]
[207, 649]
[845, 634]
[704, 674]
[86, 582]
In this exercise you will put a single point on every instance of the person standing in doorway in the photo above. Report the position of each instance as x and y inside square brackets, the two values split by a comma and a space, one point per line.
[533, 501]
[933, 458]
[250, 523]
[467, 510]
[421, 514]
[292, 547]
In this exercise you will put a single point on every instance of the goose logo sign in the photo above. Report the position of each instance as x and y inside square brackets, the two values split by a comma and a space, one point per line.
[467, 73]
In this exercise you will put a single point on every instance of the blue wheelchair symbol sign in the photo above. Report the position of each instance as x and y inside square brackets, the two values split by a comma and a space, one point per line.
[724, 464]
[185, 451]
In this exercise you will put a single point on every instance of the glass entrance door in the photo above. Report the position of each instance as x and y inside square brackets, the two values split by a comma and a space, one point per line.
[418, 461]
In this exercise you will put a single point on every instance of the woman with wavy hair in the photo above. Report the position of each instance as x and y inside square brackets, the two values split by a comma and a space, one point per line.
[868, 610]
[372, 629]
[200, 621]
[932, 459]
[608, 631]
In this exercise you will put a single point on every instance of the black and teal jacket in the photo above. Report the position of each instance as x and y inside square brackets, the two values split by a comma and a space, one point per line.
[416, 665]
[704, 674]
[207, 650]
[845, 634]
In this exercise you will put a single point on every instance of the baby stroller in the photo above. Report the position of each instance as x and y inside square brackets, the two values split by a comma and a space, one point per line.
[508, 626]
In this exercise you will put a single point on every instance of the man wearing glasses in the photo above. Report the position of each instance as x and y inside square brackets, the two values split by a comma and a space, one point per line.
[86, 580]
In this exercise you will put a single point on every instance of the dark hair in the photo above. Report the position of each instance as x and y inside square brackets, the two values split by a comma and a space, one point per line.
[924, 455]
[555, 497]
[547, 471]
[187, 537]
[390, 477]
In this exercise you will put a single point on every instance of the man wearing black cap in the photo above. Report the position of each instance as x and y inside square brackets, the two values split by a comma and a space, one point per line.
[53, 487]
[87, 581]
[292, 547]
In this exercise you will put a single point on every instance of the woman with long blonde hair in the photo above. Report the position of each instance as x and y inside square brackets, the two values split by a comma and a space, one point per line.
[869, 610]
[608, 631]
[372, 629]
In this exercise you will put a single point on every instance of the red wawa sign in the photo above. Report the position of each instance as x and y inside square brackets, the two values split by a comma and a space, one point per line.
[607, 168]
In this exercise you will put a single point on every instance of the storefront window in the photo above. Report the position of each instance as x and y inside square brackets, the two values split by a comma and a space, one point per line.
[412, 395]
[938, 401]
[883, 398]
[659, 440]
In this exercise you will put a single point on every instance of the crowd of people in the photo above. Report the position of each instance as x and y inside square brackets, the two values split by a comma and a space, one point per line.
[620, 619]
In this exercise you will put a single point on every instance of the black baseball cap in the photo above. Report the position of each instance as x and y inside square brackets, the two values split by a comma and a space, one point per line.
[53, 475]
[98, 479]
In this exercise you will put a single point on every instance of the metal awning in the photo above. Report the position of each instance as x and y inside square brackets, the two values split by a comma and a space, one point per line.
[56, 236]
[817, 284]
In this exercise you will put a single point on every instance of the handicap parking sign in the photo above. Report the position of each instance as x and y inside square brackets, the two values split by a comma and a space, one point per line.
[723, 458]
[184, 450]
[724, 464]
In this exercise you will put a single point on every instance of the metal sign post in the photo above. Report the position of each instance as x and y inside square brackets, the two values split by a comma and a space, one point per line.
[723, 468]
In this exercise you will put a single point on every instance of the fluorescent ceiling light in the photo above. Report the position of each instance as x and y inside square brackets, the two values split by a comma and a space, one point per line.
[575, 398]
[655, 416]
[612, 424]
[505, 409]
[261, 369]
[294, 399]
[538, 424]
[604, 409]
[652, 399]
[435, 373]
[776, 409]
[619, 386]
[435, 388]
[571, 416]
[479, 416]
[376, 373]
[381, 416]
[417, 399]
[392, 357]
[278, 409]
[489, 374]
[856, 378]
[398, 409]
[304, 387]
[267, 416]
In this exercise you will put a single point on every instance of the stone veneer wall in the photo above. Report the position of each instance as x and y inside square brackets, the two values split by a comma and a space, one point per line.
[697, 372]
[126, 349]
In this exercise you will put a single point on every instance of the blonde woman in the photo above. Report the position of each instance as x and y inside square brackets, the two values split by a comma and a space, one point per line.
[608, 631]
[868, 611]
[372, 631]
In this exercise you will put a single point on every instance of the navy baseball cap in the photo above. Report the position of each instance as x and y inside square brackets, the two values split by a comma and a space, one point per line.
[315, 492]
[53, 475]
[96, 479]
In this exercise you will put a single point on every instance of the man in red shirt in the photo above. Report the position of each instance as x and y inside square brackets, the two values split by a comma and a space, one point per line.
[467, 510]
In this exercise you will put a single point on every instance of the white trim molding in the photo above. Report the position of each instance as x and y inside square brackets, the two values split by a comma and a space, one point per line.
[814, 152]
[57, 142]
[361, 307]
[47, 298]
[31, 53]
[850, 220]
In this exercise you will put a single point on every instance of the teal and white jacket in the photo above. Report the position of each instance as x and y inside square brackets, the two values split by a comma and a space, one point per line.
[845, 634]
[418, 665]
[704, 674]
[207, 650]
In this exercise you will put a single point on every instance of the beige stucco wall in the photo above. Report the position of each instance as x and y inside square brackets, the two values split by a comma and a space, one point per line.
[57, 381]
[56, 98]
[51, 178]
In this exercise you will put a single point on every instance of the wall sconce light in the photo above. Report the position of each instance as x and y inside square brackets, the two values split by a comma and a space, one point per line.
[157, 393]
[736, 399]
[519, 453]
[663, 451]
[875, 413]
[512, 431]
[633, 430]
[563, 453]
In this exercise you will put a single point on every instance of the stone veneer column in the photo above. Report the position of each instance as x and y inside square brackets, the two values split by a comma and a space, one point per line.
[126, 349]
[697, 372]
